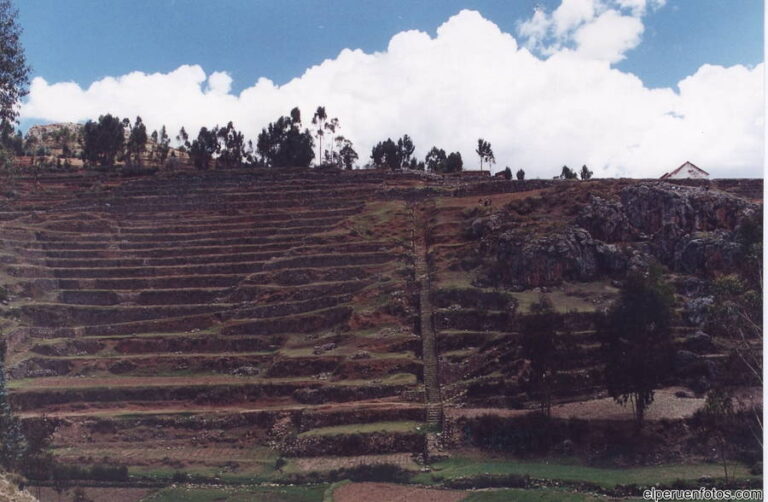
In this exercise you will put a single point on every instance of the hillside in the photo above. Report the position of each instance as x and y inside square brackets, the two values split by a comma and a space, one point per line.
[253, 324]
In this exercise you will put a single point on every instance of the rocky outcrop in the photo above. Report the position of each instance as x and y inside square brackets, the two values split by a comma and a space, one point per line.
[571, 254]
[689, 229]
[652, 207]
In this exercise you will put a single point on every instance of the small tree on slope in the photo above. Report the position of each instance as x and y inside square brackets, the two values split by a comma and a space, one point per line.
[636, 341]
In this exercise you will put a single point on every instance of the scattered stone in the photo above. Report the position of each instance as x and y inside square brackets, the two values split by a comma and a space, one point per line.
[245, 371]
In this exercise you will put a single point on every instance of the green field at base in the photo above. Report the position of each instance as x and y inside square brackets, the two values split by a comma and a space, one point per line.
[459, 467]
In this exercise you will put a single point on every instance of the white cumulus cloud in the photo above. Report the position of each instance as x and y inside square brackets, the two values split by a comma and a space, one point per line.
[540, 109]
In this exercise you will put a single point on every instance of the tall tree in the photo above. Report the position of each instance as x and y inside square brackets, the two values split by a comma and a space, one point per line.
[520, 174]
[386, 154]
[162, 146]
[203, 149]
[332, 126]
[319, 119]
[296, 116]
[435, 159]
[232, 149]
[485, 152]
[568, 174]
[539, 346]
[585, 172]
[183, 139]
[718, 416]
[347, 154]
[637, 342]
[453, 163]
[11, 140]
[103, 140]
[14, 71]
[283, 144]
[391, 154]
[405, 149]
[137, 141]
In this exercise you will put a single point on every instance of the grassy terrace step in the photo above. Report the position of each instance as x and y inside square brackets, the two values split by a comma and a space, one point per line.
[241, 192]
[184, 342]
[67, 218]
[144, 246]
[306, 323]
[151, 297]
[140, 209]
[182, 220]
[366, 428]
[292, 244]
[171, 325]
[262, 231]
[314, 261]
[289, 277]
[54, 314]
[158, 262]
[217, 199]
[141, 364]
[227, 416]
[194, 281]
[126, 272]
[100, 224]
[268, 364]
[278, 194]
[222, 256]
[32, 394]
[110, 226]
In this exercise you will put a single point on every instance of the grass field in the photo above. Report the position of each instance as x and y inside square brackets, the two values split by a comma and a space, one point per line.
[463, 467]
[404, 426]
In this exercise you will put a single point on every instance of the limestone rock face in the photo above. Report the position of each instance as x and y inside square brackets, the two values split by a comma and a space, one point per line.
[56, 139]
[689, 229]
[549, 259]
[652, 207]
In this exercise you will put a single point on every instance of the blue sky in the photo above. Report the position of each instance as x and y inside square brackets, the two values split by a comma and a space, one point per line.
[83, 40]
[629, 87]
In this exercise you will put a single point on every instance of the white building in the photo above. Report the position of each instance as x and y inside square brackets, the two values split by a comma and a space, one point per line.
[687, 171]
